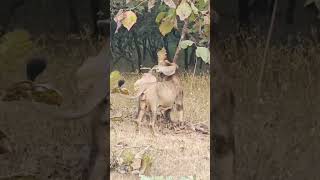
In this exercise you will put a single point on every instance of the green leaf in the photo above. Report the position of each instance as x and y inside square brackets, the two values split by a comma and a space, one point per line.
[160, 16]
[185, 44]
[194, 8]
[170, 3]
[166, 27]
[129, 20]
[172, 12]
[115, 76]
[201, 5]
[162, 7]
[204, 54]
[183, 10]
[192, 17]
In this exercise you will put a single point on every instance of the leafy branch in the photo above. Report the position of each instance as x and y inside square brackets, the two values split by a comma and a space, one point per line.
[194, 14]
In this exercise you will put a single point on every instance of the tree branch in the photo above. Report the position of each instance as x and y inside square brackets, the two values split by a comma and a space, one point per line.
[266, 48]
[183, 34]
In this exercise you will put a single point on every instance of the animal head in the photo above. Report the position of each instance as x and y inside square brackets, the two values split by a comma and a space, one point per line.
[167, 70]
[146, 78]
[162, 56]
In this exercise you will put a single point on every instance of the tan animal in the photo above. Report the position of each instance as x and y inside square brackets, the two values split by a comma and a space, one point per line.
[160, 95]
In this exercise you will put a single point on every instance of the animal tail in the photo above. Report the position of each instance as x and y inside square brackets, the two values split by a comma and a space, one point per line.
[131, 97]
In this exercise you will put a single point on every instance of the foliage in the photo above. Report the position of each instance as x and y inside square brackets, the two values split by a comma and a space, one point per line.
[115, 76]
[127, 157]
[191, 17]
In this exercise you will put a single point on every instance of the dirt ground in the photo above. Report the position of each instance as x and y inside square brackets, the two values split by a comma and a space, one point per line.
[174, 154]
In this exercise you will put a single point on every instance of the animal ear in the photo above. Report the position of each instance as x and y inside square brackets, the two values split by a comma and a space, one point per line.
[167, 70]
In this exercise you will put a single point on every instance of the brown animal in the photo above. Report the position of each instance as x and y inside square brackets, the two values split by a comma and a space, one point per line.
[160, 95]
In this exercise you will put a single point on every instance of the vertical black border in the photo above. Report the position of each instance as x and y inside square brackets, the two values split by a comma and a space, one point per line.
[212, 25]
[108, 40]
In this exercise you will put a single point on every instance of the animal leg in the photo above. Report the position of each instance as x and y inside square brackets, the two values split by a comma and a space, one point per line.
[167, 115]
[153, 120]
[142, 111]
[180, 111]
[179, 105]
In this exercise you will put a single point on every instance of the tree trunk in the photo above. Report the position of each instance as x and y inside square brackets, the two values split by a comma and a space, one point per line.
[186, 55]
[192, 58]
[183, 33]
[144, 50]
[166, 46]
[136, 44]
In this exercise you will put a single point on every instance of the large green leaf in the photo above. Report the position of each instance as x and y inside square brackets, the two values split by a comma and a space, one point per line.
[166, 26]
[160, 16]
[204, 54]
[171, 13]
[115, 76]
[185, 44]
[183, 10]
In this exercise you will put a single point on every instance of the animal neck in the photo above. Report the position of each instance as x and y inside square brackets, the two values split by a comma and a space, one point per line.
[174, 79]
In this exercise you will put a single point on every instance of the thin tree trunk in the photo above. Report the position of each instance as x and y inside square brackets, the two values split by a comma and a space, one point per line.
[138, 50]
[166, 46]
[186, 55]
[192, 58]
[144, 49]
[183, 33]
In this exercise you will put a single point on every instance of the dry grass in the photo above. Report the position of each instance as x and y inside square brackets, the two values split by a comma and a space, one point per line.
[174, 154]
[276, 139]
